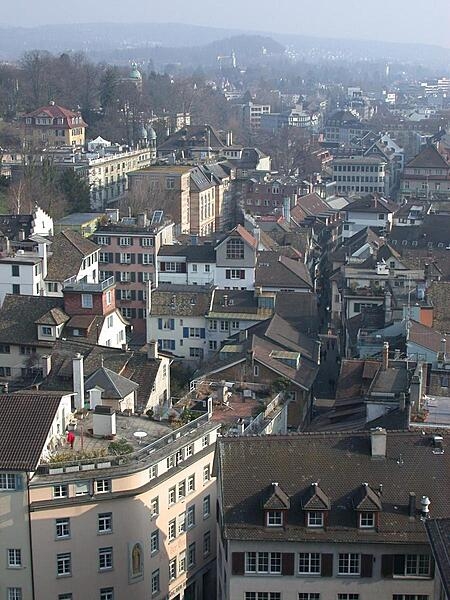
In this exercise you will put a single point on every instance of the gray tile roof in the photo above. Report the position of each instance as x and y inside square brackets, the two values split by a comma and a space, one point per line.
[113, 385]
[342, 462]
[68, 250]
[18, 317]
[276, 270]
[25, 421]
[181, 300]
[439, 535]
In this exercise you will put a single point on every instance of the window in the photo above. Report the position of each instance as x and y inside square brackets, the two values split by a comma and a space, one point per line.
[107, 594]
[125, 258]
[154, 541]
[315, 519]
[46, 330]
[206, 543]
[27, 350]
[234, 273]
[62, 528]
[206, 474]
[235, 249]
[14, 593]
[212, 344]
[274, 518]
[67, 596]
[189, 450]
[348, 596]
[367, 520]
[182, 562]
[213, 325]
[194, 332]
[191, 483]
[147, 259]
[105, 522]
[125, 241]
[16, 288]
[172, 496]
[191, 554]
[5, 349]
[103, 240]
[262, 595]
[205, 441]
[349, 564]
[14, 558]
[86, 301]
[181, 523]
[102, 486]
[170, 183]
[309, 563]
[155, 582]
[410, 597]
[308, 596]
[154, 507]
[105, 559]
[206, 506]
[5, 371]
[173, 569]
[15, 270]
[263, 562]
[190, 517]
[412, 565]
[7, 481]
[81, 488]
[172, 530]
[207, 268]
[181, 489]
[108, 297]
[146, 241]
[125, 276]
[195, 352]
[63, 564]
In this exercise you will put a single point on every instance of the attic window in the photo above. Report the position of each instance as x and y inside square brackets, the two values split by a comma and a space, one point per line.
[274, 518]
[367, 520]
[315, 518]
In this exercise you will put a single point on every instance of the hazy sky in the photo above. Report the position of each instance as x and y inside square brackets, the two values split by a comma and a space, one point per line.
[390, 20]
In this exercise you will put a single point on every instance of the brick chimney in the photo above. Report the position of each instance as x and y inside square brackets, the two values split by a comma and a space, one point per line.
[378, 439]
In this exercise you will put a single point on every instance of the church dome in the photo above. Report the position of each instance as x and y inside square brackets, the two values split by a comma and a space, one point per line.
[151, 133]
[135, 73]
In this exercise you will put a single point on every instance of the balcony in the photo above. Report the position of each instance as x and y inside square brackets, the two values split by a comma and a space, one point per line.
[82, 286]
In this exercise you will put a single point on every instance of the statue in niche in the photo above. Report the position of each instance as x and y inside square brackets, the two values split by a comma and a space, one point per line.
[136, 560]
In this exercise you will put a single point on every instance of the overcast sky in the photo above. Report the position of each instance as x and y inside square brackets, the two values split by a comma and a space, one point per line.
[386, 20]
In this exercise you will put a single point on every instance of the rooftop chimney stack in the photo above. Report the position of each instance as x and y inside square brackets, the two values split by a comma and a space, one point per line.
[78, 380]
[152, 350]
[412, 505]
[385, 360]
[378, 439]
[424, 504]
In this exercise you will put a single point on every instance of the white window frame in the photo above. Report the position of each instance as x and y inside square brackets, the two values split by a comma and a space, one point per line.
[311, 562]
[349, 564]
[61, 491]
[105, 559]
[104, 523]
[14, 558]
[367, 520]
[87, 301]
[274, 518]
[62, 528]
[102, 486]
[316, 518]
[64, 564]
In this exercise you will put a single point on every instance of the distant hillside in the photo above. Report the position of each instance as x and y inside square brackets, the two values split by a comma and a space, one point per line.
[122, 41]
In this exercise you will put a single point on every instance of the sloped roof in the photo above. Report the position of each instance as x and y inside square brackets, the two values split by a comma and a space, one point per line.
[371, 204]
[181, 300]
[277, 499]
[18, 317]
[114, 386]
[428, 158]
[425, 336]
[275, 270]
[55, 316]
[25, 422]
[366, 499]
[316, 499]
[246, 466]
[54, 111]
[68, 250]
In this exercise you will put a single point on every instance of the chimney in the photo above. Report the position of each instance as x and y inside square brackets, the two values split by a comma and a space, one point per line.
[104, 421]
[142, 220]
[387, 307]
[412, 505]
[229, 138]
[287, 209]
[424, 504]
[385, 358]
[95, 397]
[42, 252]
[443, 347]
[21, 235]
[152, 350]
[46, 363]
[210, 407]
[78, 380]
[378, 438]
[257, 236]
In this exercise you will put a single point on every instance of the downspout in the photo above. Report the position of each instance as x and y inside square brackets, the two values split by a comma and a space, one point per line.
[30, 539]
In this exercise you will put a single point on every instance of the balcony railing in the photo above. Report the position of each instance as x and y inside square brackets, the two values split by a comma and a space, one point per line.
[84, 286]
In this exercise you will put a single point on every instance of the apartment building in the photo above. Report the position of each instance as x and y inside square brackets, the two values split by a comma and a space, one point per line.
[361, 174]
[367, 211]
[129, 248]
[53, 125]
[344, 522]
[425, 175]
[138, 525]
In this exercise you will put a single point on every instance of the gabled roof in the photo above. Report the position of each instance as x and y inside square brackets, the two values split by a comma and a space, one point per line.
[55, 316]
[438, 531]
[25, 422]
[18, 317]
[277, 499]
[275, 270]
[54, 111]
[366, 499]
[428, 158]
[316, 499]
[68, 250]
[425, 336]
[114, 386]
[371, 204]
[181, 300]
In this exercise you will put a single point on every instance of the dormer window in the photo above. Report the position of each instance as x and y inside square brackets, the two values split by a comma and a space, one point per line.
[274, 518]
[315, 518]
[367, 520]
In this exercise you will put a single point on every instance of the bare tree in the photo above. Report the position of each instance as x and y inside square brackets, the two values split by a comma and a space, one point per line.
[147, 195]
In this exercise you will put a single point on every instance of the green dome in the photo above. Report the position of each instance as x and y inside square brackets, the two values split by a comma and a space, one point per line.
[135, 73]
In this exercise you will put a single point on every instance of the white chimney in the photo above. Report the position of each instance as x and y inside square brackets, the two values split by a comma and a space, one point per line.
[152, 350]
[424, 504]
[385, 359]
[46, 363]
[378, 439]
[104, 421]
[95, 397]
[42, 252]
[78, 380]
